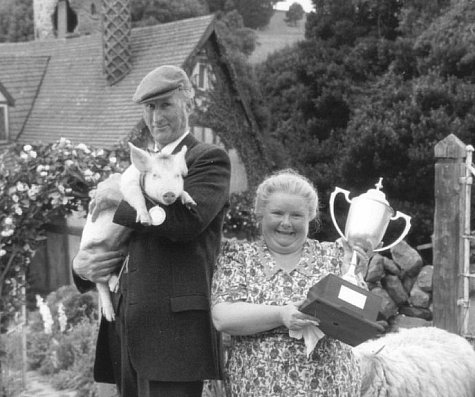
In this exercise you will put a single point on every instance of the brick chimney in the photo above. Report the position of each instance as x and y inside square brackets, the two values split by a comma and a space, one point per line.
[116, 28]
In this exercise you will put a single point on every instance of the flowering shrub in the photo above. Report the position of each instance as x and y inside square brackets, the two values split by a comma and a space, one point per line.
[62, 346]
[39, 183]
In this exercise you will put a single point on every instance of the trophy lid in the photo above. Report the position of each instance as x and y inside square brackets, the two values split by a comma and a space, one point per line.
[376, 194]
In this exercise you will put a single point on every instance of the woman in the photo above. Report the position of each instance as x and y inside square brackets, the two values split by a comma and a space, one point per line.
[258, 288]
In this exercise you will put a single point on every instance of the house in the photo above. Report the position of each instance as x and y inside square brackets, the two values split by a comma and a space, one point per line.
[77, 78]
[75, 81]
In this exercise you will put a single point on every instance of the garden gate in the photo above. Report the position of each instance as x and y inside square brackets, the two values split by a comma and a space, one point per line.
[452, 236]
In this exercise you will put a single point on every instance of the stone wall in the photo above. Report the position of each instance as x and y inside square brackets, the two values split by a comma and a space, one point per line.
[404, 283]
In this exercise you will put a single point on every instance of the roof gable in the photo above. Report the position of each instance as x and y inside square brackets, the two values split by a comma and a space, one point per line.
[21, 76]
[5, 96]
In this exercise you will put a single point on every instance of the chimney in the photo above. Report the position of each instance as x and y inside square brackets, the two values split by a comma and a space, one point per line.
[62, 16]
[116, 31]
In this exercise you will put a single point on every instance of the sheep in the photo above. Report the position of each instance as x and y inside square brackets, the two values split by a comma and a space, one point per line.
[417, 362]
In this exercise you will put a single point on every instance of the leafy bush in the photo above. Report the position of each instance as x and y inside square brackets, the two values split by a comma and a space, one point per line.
[240, 220]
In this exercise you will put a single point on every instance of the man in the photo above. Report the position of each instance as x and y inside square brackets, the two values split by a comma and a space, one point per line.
[167, 342]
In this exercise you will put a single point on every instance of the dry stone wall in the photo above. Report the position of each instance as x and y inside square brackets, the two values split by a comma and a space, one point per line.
[404, 283]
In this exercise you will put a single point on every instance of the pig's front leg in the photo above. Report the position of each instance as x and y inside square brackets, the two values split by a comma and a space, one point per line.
[187, 200]
[132, 192]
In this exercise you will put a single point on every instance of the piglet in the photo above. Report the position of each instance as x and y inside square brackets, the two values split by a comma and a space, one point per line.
[161, 180]
[157, 176]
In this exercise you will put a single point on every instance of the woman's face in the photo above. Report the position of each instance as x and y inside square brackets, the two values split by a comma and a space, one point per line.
[285, 221]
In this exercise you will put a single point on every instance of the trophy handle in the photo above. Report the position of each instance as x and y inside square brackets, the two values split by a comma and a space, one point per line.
[407, 218]
[332, 205]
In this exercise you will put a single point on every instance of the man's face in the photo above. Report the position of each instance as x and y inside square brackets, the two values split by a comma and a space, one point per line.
[166, 118]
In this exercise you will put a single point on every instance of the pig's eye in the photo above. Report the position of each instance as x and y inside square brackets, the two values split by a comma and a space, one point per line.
[155, 176]
[177, 176]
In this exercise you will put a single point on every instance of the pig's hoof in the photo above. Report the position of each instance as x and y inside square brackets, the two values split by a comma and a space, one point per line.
[144, 219]
[190, 204]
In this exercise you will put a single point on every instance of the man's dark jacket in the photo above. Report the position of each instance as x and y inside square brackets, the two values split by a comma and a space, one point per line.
[167, 305]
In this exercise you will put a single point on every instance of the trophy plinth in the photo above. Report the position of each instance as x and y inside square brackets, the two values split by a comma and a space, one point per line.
[346, 312]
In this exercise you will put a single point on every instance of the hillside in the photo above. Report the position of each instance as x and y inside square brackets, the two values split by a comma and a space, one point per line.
[276, 36]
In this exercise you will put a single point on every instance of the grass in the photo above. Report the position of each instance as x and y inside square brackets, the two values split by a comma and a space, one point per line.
[276, 36]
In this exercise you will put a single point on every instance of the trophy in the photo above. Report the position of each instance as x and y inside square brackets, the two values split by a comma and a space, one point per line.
[346, 311]
[367, 221]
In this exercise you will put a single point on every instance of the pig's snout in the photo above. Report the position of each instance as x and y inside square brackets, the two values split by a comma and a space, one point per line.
[169, 198]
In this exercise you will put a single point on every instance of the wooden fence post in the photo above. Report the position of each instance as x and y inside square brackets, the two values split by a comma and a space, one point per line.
[448, 230]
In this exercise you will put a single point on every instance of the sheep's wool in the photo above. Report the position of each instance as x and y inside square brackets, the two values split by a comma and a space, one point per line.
[415, 362]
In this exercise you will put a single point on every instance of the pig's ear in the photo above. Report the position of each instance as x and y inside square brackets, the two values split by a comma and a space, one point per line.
[181, 157]
[139, 158]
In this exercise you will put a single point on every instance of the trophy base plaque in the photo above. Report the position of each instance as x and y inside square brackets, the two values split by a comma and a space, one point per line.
[346, 312]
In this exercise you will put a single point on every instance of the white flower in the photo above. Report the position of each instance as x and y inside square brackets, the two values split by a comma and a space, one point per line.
[7, 233]
[83, 147]
[33, 154]
[45, 314]
[21, 187]
[62, 319]
[15, 198]
[2, 252]
[112, 159]
[8, 221]
[43, 173]
[100, 152]
[24, 156]
[18, 210]
[39, 168]
[33, 191]
[27, 148]
[68, 163]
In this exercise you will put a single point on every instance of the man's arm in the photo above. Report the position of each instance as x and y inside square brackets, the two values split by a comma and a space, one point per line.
[90, 267]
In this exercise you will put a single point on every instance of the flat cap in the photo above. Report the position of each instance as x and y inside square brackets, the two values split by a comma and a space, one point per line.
[161, 83]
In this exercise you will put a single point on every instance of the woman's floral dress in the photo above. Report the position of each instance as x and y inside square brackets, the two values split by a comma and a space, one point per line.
[272, 363]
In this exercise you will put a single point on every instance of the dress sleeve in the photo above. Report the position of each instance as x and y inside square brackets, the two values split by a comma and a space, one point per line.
[229, 280]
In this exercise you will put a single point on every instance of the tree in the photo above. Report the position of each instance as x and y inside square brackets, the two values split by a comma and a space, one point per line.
[369, 92]
[16, 20]
[151, 12]
[256, 14]
[294, 14]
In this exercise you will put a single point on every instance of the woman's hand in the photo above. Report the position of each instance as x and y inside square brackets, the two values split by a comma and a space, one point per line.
[294, 319]
[363, 255]
[97, 266]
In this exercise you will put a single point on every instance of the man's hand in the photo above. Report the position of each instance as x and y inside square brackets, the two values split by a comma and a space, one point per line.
[95, 265]
[106, 195]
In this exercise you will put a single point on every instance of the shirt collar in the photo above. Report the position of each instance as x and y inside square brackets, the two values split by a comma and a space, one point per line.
[169, 148]
[270, 268]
